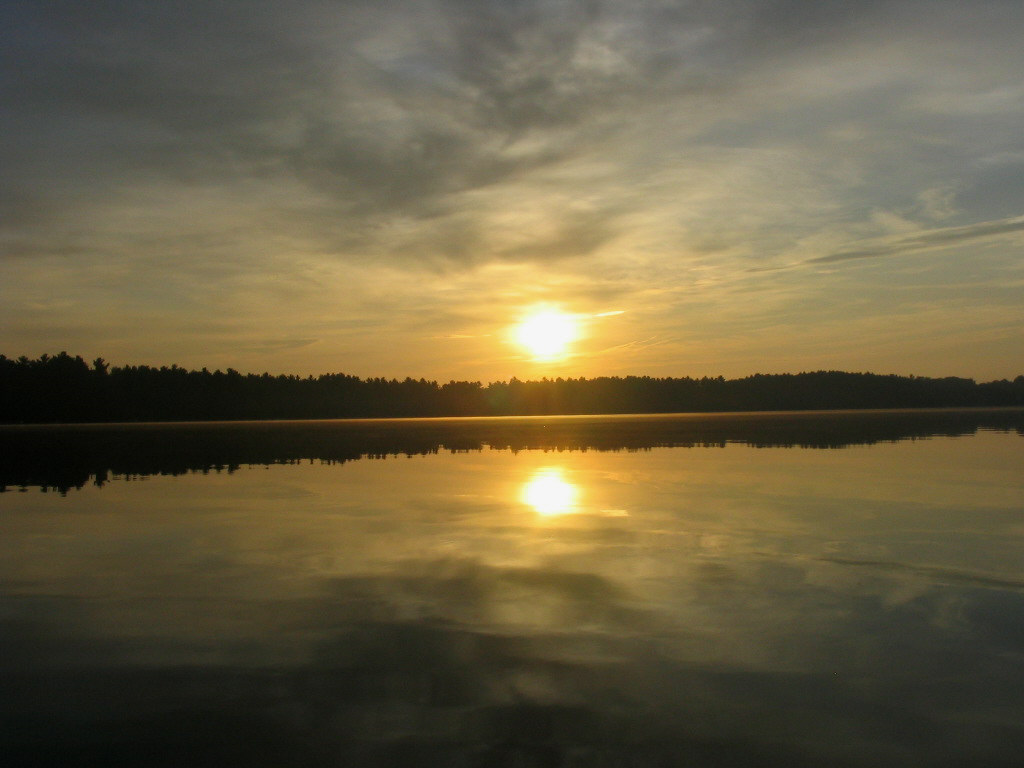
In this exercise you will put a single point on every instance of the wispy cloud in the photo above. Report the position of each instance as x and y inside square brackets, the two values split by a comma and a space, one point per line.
[274, 345]
[934, 238]
[336, 170]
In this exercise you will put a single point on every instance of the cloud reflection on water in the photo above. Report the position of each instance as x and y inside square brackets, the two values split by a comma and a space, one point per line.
[756, 607]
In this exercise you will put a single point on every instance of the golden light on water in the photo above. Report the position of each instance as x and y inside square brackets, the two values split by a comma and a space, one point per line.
[549, 493]
[547, 333]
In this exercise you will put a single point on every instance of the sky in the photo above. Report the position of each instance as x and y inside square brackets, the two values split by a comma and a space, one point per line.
[385, 189]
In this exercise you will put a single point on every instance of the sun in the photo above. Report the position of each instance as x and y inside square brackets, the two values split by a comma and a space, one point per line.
[547, 333]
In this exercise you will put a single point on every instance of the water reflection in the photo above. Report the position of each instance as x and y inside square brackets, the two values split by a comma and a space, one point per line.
[65, 457]
[757, 607]
[549, 493]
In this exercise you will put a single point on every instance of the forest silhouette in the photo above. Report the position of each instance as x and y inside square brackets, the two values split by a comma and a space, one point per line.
[66, 389]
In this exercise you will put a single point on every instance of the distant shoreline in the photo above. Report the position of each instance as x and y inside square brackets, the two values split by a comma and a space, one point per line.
[567, 418]
[66, 389]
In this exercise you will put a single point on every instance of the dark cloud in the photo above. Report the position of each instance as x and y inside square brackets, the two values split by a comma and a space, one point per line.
[111, 93]
[378, 109]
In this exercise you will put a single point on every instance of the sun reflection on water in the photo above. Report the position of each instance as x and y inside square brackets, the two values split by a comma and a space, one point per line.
[549, 493]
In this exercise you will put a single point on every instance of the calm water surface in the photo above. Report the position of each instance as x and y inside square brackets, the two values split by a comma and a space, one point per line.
[697, 597]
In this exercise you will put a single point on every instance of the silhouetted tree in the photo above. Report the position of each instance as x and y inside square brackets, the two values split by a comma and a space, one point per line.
[67, 389]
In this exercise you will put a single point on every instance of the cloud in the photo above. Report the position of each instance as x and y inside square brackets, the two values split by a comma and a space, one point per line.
[260, 161]
[389, 124]
[274, 345]
[936, 238]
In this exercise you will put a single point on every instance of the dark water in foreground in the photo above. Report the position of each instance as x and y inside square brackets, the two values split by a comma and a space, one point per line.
[654, 591]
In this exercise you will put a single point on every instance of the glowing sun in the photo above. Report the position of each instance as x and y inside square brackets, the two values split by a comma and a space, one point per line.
[547, 333]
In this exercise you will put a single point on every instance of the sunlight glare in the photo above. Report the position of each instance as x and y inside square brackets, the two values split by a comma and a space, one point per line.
[547, 333]
[549, 494]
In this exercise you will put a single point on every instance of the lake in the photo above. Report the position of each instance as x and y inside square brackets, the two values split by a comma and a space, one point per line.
[801, 589]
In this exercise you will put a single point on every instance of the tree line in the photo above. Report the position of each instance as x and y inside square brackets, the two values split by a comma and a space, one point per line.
[66, 389]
